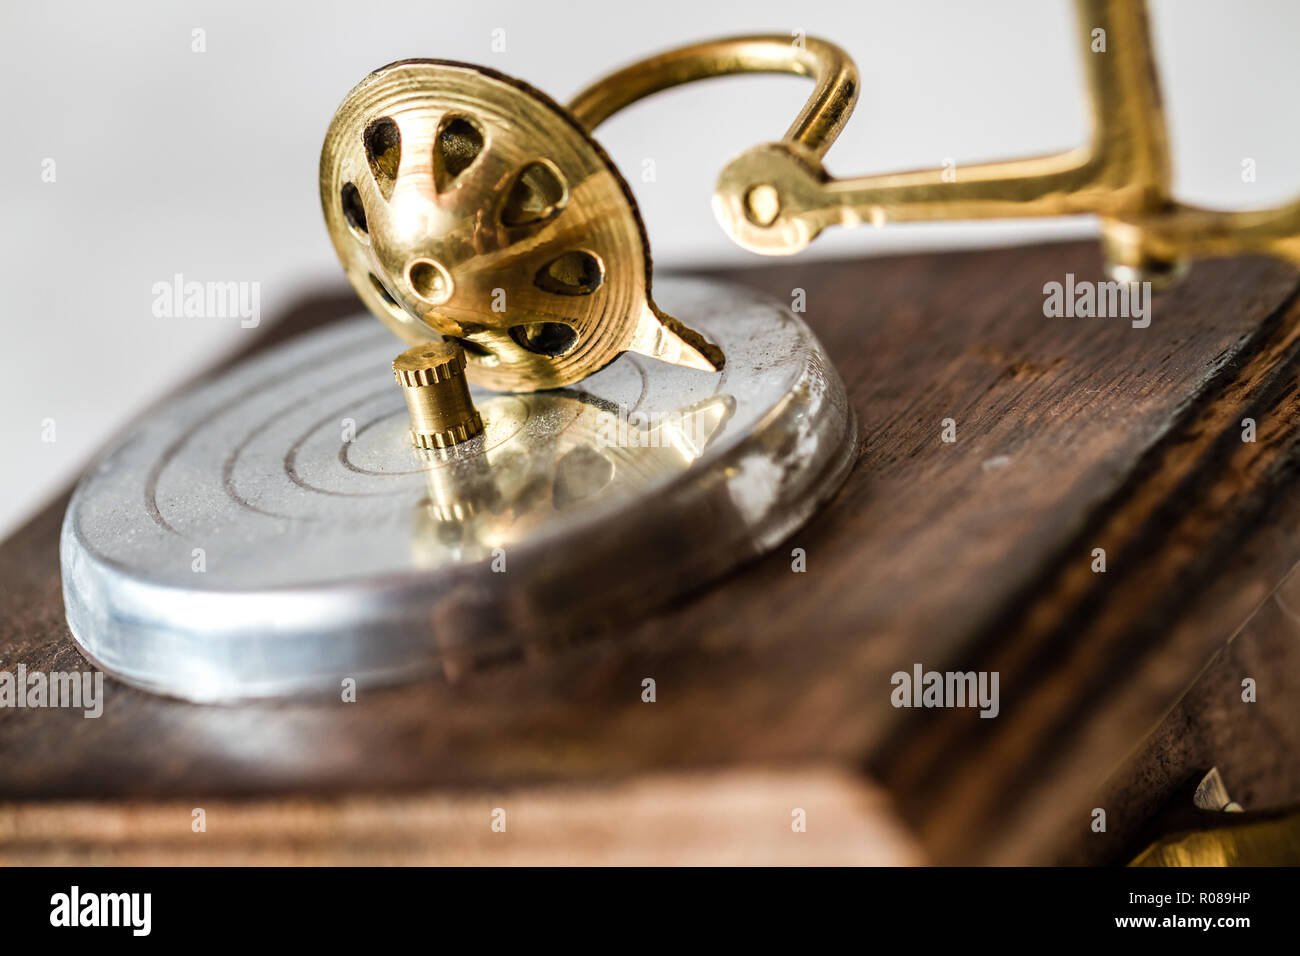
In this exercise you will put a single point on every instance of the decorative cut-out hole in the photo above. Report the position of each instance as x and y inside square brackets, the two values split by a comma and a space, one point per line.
[429, 281]
[353, 211]
[546, 338]
[387, 296]
[574, 273]
[384, 153]
[458, 144]
[538, 194]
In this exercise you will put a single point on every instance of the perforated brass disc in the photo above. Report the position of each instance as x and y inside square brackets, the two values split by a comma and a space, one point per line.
[466, 204]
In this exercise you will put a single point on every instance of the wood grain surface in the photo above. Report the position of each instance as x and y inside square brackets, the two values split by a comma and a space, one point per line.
[1072, 435]
[728, 818]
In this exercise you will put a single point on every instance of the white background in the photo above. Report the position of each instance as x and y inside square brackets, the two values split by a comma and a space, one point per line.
[205, 164]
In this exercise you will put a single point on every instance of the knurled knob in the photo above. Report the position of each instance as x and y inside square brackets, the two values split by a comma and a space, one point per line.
[432, 377]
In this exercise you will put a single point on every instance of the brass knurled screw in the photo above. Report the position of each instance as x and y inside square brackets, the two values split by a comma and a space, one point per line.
[432, 377]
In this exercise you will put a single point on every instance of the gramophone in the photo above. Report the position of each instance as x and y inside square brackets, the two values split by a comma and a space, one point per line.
[566, 446]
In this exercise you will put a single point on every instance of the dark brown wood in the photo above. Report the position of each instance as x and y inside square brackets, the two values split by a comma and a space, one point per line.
[1072, 434]
[1254, 745]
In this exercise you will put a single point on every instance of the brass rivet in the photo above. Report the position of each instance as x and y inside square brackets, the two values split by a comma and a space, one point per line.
[762, 204]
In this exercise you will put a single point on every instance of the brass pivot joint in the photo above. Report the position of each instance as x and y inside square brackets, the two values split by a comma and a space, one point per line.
[432, 377]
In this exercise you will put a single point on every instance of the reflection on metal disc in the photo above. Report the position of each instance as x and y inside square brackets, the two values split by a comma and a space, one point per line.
[274, 531]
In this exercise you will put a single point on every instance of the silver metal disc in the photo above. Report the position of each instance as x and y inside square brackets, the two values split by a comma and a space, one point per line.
[274, 531]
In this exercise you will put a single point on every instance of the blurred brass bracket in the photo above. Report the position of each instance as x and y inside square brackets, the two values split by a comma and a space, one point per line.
[777, 197]
[1203, 826]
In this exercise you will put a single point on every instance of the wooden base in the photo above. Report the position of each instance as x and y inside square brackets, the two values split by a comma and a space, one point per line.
[708, 819]
[976, 554]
